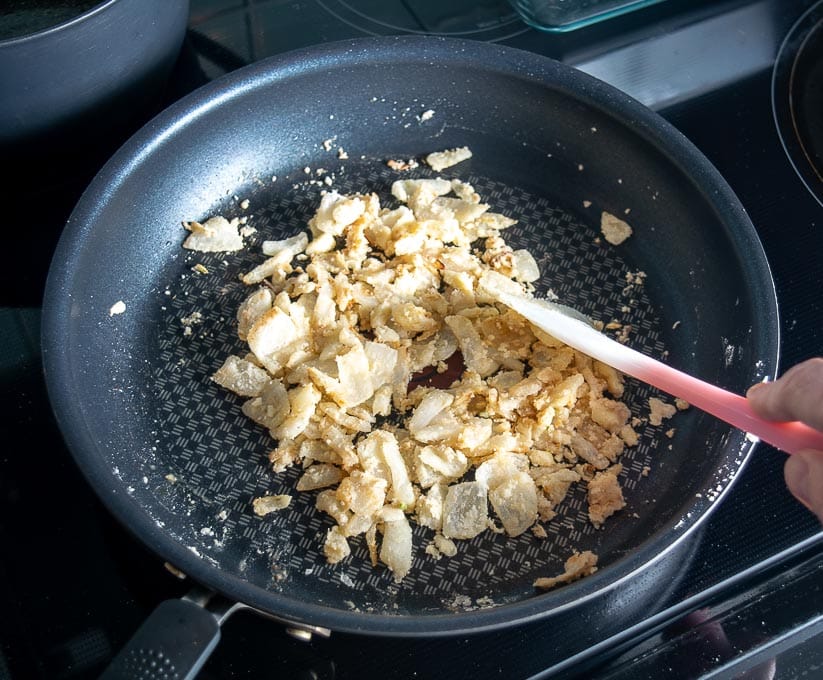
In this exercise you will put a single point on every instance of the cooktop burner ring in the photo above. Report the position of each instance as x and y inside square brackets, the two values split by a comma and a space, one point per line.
[797, 98]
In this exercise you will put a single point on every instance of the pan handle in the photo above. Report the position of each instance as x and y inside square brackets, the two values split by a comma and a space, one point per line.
[180, 635]
[174, 642]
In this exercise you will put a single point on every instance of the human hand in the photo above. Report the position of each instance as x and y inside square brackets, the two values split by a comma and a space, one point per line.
[797, 395]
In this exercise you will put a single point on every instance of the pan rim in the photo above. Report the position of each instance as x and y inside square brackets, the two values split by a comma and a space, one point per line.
[509, 61]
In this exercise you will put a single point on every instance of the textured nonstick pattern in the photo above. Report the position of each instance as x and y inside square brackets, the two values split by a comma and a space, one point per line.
[218, 457]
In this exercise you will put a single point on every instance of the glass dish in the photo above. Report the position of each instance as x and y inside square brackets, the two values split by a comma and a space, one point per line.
[567, 15]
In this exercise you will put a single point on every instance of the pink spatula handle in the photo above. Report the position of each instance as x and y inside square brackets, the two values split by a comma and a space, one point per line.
[729, 407]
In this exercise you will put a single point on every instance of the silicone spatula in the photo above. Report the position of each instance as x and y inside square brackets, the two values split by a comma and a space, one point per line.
[566, 325]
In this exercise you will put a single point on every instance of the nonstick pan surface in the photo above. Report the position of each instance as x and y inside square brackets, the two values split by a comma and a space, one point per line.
[170, 453]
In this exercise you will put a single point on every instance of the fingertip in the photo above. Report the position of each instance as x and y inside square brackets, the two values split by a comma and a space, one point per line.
[754, 389]
[796, 473]
[803, 473]
[761, 398]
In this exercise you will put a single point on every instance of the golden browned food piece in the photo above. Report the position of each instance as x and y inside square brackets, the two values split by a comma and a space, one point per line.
[605, 495]
[614, 230]
[401, 165]
[440, 160]
[215, 235]
[267, 504]
[580, 564]
[659, 410]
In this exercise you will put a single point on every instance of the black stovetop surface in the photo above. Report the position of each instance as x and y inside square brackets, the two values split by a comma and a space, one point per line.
[74, 585]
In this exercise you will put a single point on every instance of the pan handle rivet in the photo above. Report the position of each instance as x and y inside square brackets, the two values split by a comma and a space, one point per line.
[299, 634]
[174, 570]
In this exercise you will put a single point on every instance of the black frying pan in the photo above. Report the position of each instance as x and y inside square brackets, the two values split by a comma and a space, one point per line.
[132, 392]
